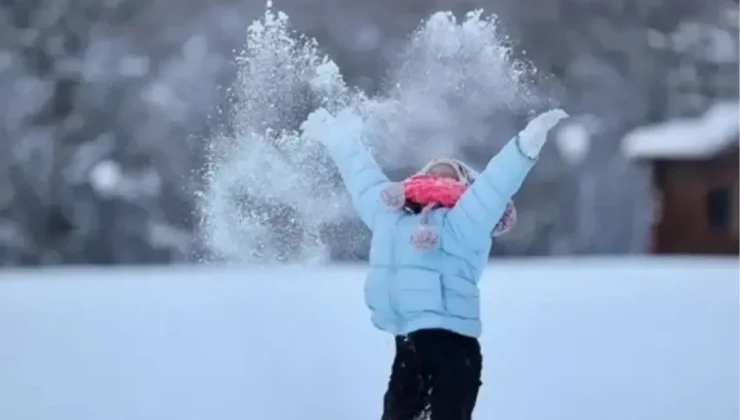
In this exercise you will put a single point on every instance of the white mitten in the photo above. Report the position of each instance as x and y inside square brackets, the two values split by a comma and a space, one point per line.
[349, 123]
[534, 135]
[326, 128]
[317, 124]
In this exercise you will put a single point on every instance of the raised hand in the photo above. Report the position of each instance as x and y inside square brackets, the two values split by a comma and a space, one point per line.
[534, 135]
[322, 126]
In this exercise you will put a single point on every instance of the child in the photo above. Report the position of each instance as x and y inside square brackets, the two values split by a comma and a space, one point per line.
[431, 237]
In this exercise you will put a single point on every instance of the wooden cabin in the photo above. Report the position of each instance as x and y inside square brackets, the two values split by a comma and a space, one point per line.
[694, 169]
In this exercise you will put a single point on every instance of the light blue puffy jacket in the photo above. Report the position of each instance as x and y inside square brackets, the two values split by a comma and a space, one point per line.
[409, 289]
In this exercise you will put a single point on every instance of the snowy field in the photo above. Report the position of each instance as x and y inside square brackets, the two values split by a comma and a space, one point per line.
[624, 339]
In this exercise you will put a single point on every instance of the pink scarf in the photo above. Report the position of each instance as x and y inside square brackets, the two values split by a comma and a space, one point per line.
[431, 192]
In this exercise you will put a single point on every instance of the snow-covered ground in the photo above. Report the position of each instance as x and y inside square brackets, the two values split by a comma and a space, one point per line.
[623, 339]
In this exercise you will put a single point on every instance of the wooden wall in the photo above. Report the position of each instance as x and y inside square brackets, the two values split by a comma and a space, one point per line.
[697, 210]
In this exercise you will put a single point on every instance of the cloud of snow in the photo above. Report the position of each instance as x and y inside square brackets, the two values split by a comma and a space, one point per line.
[269, 190]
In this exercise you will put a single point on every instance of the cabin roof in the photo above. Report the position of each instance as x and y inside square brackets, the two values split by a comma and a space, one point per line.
[687, 138]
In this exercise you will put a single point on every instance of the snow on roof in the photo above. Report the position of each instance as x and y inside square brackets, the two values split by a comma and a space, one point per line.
[687, 138]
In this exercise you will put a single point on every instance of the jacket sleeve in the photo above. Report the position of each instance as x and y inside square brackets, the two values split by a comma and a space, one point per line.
[473, 218]
[362, 177]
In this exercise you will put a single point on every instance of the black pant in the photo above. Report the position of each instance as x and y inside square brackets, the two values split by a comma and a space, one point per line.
[436, 376]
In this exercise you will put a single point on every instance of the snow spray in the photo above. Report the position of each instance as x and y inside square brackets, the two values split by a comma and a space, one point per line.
[269, 191]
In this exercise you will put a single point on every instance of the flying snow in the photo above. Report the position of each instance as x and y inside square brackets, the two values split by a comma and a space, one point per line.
[270, 191]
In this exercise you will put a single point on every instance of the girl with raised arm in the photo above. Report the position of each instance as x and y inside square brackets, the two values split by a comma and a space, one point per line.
[431, 238]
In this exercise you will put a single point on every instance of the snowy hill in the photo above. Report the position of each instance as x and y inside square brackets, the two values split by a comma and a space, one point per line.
[623, 339]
